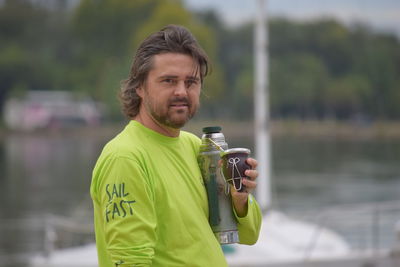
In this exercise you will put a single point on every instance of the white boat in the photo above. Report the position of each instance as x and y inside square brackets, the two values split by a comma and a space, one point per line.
[49, 110]
[282, 239]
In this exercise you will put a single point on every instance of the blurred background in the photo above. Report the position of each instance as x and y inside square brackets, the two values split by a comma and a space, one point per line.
[334, 105]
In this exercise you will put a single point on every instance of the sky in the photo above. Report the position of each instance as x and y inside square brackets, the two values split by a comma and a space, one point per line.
[380, 15]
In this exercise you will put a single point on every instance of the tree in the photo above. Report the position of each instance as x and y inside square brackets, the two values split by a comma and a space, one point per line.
[24, 54]
[109, 31]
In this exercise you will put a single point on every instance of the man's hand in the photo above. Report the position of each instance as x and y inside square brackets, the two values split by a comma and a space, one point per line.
[239, 199]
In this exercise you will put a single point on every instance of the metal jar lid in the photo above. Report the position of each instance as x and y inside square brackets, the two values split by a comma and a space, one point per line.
[235, 150]
[212, 129]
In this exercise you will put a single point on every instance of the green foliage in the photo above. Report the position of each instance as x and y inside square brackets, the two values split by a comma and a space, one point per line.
[318, 69]
[297, 80]
[349, 71]
[103, 31]
[106, 27]
[21, 24]
[108, 31]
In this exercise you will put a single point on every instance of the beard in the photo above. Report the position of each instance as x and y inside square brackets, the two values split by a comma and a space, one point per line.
[169, 115]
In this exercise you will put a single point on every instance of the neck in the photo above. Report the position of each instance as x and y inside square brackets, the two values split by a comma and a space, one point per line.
[154, 125]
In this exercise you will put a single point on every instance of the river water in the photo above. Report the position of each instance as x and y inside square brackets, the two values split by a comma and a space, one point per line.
[49, 173]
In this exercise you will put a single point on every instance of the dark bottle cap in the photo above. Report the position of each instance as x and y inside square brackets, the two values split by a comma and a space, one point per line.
[212, 129]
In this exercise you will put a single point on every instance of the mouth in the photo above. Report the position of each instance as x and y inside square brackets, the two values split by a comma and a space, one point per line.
[179, 105]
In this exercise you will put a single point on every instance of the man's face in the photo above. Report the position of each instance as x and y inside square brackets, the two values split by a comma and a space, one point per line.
[170, 94]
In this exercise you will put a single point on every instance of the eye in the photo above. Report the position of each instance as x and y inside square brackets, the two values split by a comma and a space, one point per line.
[191, 82]
[169, 81]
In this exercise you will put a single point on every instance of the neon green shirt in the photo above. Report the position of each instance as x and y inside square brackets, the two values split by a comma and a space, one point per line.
[150, 203]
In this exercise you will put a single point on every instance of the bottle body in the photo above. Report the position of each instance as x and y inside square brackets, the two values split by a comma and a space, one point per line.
[221, 217]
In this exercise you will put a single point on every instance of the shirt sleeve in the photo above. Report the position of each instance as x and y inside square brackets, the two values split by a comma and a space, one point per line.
[127, 201]
[249, 226]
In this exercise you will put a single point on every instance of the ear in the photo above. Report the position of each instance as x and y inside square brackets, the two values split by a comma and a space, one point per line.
[140, 91]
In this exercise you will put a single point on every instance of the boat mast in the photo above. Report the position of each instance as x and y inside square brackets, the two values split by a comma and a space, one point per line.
[261, 109]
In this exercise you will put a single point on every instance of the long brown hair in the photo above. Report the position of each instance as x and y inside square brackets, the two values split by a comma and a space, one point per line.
[172, 38]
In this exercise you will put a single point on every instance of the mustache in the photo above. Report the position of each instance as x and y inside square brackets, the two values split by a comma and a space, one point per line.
[180, 100]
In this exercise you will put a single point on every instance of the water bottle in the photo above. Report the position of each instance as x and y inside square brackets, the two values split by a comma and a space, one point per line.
[221, 217]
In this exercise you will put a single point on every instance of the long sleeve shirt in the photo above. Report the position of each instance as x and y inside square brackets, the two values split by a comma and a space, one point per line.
[150, 203]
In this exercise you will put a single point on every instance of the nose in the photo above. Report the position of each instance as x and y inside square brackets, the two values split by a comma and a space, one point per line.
[180, 89]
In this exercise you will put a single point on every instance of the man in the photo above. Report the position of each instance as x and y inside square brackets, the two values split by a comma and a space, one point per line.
[149, 199]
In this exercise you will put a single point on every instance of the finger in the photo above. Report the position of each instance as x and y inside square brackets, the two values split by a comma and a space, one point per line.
[239, 195]
[243, 190]
[252, 174]
[250, 185]
[252, 162]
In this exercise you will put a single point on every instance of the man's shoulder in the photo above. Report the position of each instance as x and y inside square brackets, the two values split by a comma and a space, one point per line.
[191, 140]
[189, 136]
[123, 144]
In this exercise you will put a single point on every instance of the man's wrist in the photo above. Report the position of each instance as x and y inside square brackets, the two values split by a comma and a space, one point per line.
[241, 207]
